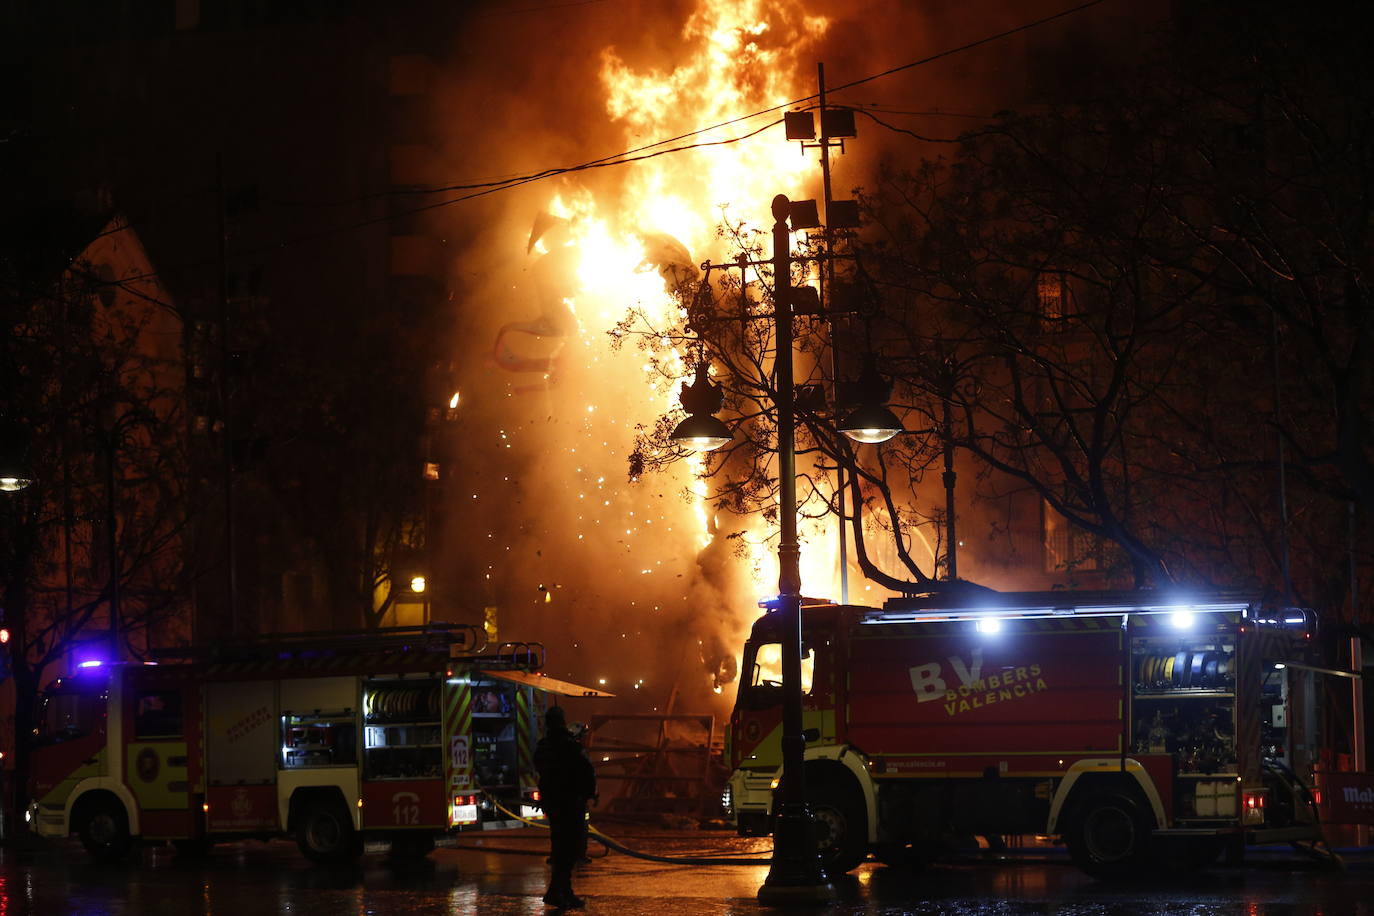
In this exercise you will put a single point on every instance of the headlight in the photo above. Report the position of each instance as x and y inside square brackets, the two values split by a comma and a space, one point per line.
[727, 799]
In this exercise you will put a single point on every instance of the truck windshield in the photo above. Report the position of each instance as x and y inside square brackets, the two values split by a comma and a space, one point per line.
[68, 715]
[763, 684]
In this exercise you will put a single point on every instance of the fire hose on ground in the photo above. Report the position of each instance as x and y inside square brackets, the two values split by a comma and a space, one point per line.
[611, 844]
[1315, 850]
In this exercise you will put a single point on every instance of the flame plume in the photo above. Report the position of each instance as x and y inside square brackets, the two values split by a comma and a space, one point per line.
[642, 576]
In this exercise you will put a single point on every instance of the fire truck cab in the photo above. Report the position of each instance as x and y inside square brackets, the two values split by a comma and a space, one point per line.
[395, 739]
[1121, 722]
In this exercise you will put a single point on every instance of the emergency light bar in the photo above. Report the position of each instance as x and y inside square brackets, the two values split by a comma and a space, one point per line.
[1033, 605]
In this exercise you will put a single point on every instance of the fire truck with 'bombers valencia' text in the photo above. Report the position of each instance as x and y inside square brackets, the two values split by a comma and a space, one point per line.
[1127, 723]
[395, 738]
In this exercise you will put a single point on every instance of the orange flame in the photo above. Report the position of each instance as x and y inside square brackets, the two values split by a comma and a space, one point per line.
[739, 57]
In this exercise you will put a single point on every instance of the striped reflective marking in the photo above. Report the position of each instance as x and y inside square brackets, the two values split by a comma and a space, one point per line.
[458, 729]
[524, 734]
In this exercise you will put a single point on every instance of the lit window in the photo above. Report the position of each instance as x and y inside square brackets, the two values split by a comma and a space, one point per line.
[1051, 292]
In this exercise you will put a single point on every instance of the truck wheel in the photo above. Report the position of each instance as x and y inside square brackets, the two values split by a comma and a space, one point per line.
[104, 830]
[325, 834]
[841, 826]
[1108, 835]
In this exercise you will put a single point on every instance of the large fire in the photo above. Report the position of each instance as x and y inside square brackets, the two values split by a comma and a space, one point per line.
[640, 563]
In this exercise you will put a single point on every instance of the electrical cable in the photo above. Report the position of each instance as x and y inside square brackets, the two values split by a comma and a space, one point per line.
[487, 188]
[535, 9]
[948, 52]
[887, 109]
[483, 189]
[902, 130]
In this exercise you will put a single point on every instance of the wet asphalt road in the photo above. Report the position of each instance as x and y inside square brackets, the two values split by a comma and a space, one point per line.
[506, 875]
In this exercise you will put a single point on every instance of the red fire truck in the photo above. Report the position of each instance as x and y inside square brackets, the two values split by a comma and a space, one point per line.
[1123, 722]
[393, 738]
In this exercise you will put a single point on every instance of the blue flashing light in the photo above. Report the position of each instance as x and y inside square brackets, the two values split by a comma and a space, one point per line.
[1182, 619]
[989, 626]
[91, 663]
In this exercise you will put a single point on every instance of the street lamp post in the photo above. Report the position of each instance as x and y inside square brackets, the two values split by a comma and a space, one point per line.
[795, 873]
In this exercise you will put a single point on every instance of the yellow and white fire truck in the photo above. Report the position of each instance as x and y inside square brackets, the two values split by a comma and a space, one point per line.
[1120, 721]
[396, 738]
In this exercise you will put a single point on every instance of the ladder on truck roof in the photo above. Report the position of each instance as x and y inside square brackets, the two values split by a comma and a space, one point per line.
[455, 640]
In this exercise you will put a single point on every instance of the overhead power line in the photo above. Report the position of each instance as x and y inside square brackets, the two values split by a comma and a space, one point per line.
[623, 156]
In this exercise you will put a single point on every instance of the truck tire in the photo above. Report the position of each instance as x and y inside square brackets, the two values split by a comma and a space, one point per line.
[104, 830]
[324, 833]
[1108, 835]
[841, 823]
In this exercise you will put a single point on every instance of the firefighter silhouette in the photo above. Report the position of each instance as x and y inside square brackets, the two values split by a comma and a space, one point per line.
[567, 782]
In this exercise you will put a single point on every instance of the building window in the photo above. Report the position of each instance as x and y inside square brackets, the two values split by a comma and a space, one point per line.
[1051, 290]
[1067, 547]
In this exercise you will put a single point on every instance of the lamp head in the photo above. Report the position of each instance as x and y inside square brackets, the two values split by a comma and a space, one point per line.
[871, 424]
[14, 470]
[702, 433]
